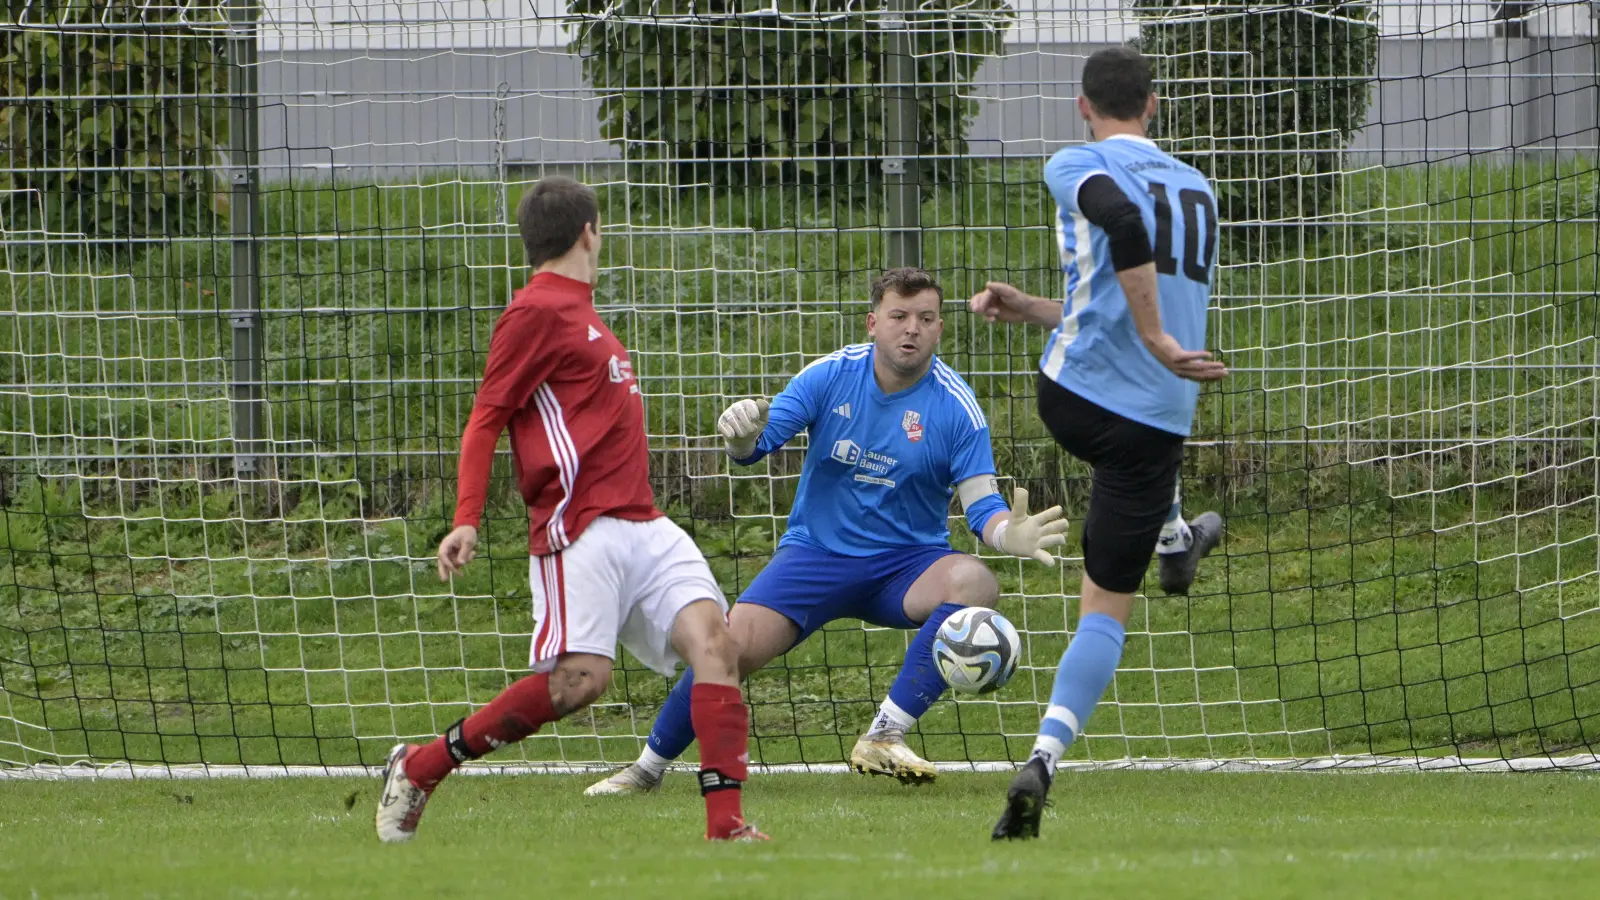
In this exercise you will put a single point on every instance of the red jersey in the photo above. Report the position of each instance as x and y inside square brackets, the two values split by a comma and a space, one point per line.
[564, 383]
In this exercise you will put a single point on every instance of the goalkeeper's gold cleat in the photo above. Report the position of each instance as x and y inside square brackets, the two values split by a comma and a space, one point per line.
[632, 780]
[885, 753]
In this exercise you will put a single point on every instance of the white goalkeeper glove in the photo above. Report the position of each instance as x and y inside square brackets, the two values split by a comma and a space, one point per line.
[1030, 536]
[741, 425]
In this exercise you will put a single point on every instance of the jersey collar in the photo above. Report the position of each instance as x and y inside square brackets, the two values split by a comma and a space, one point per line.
[553, 281]
[1131, 137]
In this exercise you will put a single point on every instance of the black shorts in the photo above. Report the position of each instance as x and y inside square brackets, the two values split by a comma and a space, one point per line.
[1136, 470]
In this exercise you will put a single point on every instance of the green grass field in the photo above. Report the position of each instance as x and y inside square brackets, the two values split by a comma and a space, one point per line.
[1113, 835]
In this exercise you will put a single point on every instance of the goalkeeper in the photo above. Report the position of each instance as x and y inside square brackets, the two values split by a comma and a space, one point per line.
[891, 429]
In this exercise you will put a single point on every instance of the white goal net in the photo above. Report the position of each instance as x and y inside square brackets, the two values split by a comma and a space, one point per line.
[250, 257]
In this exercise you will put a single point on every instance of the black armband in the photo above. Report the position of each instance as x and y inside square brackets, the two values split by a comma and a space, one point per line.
[1104, 204]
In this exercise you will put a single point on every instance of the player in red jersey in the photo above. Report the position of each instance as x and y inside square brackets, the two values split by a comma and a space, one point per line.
[605, 564]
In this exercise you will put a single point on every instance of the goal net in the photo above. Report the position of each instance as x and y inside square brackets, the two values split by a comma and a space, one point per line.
[251, 254]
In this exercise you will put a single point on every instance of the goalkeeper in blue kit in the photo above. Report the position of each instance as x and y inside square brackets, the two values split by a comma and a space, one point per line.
[893, 433]
[1118, 381]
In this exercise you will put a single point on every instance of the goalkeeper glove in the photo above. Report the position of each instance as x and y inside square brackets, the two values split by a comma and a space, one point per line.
[741, 425]
[1023, 535]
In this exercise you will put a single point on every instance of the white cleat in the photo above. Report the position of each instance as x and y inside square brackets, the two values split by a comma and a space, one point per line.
[885, 753]
[635, 779]
[401, 803]
[745, 833]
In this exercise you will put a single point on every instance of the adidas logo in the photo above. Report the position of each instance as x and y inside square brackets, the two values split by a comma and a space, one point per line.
[843, 410]
[594, 333]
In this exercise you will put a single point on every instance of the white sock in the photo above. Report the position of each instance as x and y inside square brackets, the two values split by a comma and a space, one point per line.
[1175, 537]
[653, 762]
[890, 715]
[1050, 750]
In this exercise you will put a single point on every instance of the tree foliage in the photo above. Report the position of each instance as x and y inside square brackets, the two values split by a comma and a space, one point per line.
[1263, 98]
[110, 119]
[745, 91]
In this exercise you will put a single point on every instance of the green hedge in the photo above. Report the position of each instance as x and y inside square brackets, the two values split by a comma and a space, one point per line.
[102, 128]
[1263, 98]
[738, 95]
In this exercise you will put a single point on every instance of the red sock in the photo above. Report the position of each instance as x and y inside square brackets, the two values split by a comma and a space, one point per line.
[516, 713]
[722, 726]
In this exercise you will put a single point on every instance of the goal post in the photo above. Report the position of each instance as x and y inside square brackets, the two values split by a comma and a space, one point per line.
[1405, 453]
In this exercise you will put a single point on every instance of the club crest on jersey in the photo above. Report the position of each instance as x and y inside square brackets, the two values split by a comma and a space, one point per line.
[912, 423]
[621, 371]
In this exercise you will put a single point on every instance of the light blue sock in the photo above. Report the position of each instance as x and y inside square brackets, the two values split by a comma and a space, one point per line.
[673, 729]
[1086, 668]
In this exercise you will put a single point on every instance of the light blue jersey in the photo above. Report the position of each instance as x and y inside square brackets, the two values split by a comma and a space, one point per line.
[880, 468]
[1095, 352]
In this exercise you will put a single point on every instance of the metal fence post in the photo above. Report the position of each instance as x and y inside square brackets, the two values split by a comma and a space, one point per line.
[244, 174]
[902, 192]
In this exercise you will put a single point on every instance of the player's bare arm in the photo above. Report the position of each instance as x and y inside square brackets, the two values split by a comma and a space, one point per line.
[1105, 205]
[478, 441]
[1002, 303]
[458, 548]
[1140, 287]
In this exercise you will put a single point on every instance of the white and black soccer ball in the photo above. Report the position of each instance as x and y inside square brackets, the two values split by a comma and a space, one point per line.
[976, 650]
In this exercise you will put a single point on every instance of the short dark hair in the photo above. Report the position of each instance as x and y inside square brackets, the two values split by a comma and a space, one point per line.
[1117, 82]
[551, 216]
[907, 281]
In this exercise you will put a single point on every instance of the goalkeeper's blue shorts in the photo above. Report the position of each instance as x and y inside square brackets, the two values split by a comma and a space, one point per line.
[812, 587]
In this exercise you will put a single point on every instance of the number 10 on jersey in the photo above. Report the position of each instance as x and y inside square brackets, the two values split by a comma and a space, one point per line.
[1195, 263]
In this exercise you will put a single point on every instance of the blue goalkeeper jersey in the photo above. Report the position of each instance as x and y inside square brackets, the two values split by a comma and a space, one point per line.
[1095, 351]
[880, 468]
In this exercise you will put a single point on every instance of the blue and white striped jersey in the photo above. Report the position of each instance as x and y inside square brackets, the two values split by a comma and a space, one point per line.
[1095, 351]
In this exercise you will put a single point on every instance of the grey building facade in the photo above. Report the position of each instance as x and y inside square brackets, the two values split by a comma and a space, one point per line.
[400, 111]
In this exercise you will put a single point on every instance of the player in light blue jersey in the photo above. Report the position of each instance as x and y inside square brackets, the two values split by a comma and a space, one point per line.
[1118, 381]
[893, 433]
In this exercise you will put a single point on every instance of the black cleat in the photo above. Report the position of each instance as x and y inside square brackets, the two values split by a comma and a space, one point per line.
[1025, 803]
[1178, 569]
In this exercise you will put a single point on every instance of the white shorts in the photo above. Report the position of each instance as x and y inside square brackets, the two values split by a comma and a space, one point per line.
[618, 582]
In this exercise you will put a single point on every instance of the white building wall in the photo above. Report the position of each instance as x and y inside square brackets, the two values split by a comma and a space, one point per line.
[291, 26]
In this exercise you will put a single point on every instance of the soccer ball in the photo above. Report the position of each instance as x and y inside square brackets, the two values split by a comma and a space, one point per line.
[976, 650]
